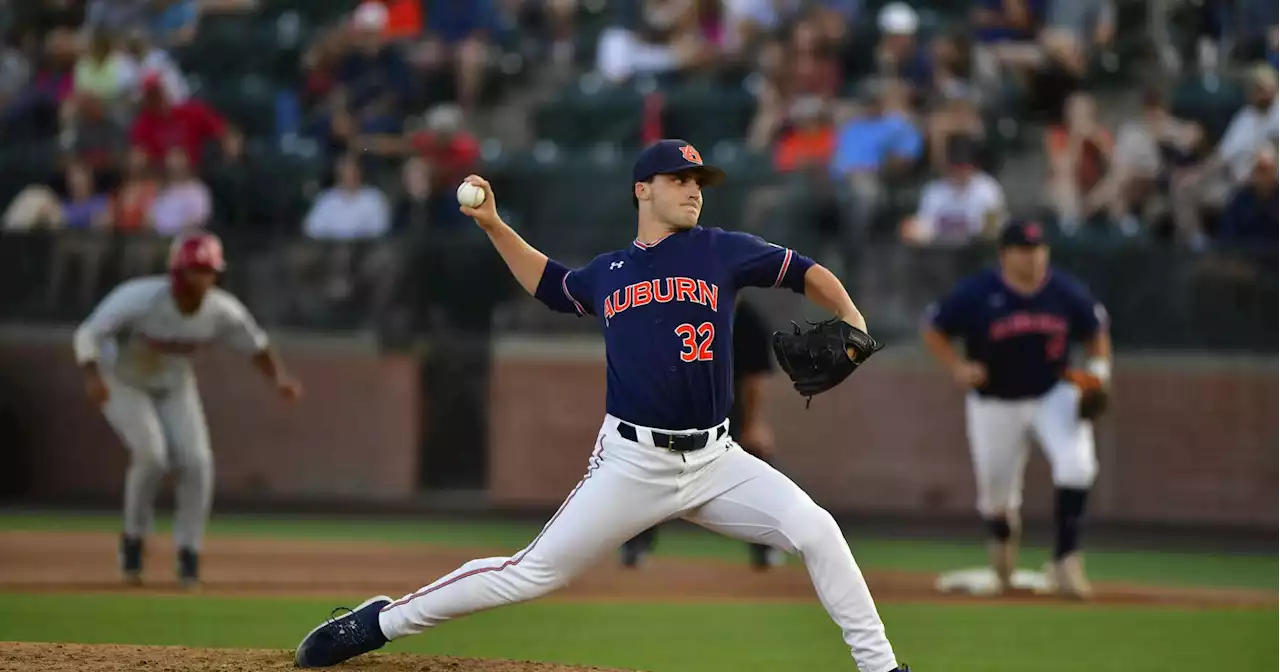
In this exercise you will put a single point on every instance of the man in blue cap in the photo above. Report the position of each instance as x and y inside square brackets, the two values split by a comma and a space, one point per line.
[665, 304]
[1017, 322]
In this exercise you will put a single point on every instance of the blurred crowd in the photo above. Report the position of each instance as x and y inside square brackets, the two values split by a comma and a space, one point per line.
[853, 98]
[923, 108]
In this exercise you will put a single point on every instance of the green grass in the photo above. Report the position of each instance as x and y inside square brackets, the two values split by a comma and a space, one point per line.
[1139, 567]
[738, 637]
[697, 637]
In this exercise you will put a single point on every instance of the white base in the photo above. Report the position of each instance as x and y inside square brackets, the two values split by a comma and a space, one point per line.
[982, 581]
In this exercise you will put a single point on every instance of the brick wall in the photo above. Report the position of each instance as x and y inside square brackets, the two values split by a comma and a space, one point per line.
[1186, 440]
[355, 432]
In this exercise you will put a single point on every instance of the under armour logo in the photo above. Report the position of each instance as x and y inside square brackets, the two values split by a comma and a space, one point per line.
[615, 265]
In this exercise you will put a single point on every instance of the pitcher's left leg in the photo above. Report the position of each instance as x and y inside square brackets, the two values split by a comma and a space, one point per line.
[744, 498]
[1068, 445]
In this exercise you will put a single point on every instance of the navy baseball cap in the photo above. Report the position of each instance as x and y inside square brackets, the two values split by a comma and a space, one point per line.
[1022, 233]
[673, 156]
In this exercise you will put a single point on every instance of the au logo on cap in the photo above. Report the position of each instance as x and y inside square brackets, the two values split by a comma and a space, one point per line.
[691, 155]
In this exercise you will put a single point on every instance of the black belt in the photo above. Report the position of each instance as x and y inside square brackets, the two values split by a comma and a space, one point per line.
[680, 443]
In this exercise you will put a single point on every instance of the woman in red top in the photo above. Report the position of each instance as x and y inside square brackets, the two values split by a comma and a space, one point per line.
[1079, 152]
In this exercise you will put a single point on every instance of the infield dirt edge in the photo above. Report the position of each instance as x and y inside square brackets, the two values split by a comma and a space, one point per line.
[61, 657]
[85, 563]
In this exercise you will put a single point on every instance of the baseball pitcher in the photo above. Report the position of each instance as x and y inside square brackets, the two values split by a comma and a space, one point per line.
[135, 350]
[665, 304]
[1017, 322]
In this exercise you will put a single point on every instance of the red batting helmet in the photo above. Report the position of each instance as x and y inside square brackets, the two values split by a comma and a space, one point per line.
[200, 250]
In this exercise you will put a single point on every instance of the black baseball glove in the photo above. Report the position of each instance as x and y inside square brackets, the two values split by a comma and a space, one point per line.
[821, 357]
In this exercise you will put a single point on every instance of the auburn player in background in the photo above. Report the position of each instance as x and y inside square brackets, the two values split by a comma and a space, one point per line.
[1017, 322]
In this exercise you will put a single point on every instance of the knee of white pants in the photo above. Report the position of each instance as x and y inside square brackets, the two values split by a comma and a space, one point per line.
[811, 528]
[193, 461]
[1001, 503]
[537, 572]
[1076, 473]
[149, 459]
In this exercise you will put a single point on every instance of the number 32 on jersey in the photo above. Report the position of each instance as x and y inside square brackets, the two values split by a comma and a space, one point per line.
[696, 341]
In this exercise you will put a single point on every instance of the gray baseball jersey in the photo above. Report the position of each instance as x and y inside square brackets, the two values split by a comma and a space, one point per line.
[138, 335]
[143, 346]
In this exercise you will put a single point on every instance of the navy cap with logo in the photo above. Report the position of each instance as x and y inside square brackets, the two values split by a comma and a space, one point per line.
[673, 156]
[1022, 233]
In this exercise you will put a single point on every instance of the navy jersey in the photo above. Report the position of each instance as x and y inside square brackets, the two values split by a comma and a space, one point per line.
[1023, 340]
[666, 309]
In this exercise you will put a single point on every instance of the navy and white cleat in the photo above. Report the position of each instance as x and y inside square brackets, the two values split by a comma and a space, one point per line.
[344, 637]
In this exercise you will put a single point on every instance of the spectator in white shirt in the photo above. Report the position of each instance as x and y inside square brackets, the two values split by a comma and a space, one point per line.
[184, 201]
[1253, 126]
[964, 204]
[350, 210]
[748, 22]
[1230, 166]
[343, 216]
[143, 59]
[1148, 147]
[654, 37]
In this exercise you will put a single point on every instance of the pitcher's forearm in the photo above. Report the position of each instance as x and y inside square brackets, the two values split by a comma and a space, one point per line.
[823, 288]
[525, 261]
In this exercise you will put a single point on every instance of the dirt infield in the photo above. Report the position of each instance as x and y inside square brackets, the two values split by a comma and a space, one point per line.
[22, 657]
[86, 562]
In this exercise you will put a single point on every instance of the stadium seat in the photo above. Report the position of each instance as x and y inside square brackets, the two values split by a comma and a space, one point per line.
[705, 115]
[248, 101]
[580, 118]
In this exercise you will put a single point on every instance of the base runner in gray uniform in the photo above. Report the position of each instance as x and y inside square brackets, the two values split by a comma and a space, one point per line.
[135, 350]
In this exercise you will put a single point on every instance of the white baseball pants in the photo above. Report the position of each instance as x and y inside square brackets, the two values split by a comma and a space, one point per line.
[632, 485]
[163, 430]
[1000, 433]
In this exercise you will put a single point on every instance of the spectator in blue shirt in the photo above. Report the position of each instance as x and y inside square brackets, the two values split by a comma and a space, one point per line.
[457, 42]
[175, 23]
[899, 55]
[1005, 34]
[1243, 30]
[878, 143]
[1252, 217]
[373, 84]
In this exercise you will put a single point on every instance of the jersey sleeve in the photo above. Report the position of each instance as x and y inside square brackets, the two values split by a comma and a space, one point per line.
[114, 313]
[752, 349]
[240, 330]
[951, 314]
[1087, 315]
[756, 262]
[566, 291]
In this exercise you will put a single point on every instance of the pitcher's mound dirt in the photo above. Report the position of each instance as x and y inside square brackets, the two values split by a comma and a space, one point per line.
[24, 657]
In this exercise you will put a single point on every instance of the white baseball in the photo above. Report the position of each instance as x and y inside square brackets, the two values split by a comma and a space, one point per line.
[470, 196]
